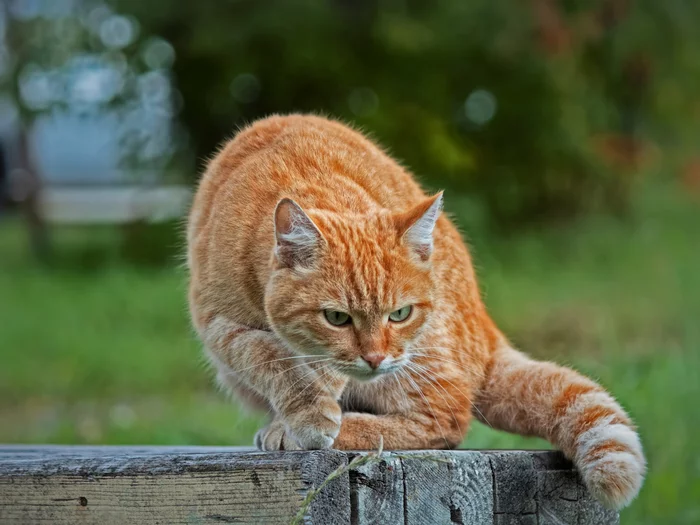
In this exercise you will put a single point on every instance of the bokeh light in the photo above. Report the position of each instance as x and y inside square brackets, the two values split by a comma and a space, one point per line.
[158, 53]
[118, 31]
[363, 101]
[480, 106]
[245, 88]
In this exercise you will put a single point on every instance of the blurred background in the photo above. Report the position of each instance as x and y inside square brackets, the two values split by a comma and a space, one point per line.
[565, 133]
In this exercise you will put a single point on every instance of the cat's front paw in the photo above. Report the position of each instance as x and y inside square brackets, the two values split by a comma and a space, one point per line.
[274, 437]
[611, 462]
[315, 426]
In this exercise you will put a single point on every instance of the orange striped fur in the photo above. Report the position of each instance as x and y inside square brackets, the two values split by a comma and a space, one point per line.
[300, 214]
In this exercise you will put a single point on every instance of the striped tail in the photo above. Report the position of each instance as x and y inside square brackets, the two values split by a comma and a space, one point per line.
[572, 412]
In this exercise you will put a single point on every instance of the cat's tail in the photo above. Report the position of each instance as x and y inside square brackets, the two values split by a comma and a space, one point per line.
[571, 411]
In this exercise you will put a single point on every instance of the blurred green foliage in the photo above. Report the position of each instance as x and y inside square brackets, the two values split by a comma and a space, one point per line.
[539, 109]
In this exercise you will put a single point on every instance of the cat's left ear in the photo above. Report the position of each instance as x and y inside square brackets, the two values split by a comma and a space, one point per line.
[415, 226]
[297, 237]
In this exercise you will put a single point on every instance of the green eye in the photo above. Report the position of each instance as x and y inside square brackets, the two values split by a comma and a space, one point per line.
[337, 318]
[401, 314]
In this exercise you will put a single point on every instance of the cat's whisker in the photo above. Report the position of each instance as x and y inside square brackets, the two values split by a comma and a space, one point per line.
[292, 368]
[398, 382]
[433, 368]
[430, 406]
[434, 384]
[442, 376]
[307, 374]
[303, 364]
[427, 372]
[264, 363]
[322, 373]
[459, 389]
[287, 390]
[328, 372]
[463, 366]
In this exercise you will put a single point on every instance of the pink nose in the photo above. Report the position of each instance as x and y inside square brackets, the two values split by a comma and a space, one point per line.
[374, 360]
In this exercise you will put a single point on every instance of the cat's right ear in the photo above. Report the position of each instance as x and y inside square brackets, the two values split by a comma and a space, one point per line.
[416, 226]
[297, 239]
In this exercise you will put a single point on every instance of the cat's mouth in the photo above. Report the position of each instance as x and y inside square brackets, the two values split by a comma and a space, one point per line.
[361, 372]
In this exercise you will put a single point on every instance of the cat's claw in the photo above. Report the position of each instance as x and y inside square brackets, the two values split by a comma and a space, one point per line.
[312, 428]
[315, 426]
[274, 437]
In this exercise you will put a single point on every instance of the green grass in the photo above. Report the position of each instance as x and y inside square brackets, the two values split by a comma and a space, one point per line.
[95, 350]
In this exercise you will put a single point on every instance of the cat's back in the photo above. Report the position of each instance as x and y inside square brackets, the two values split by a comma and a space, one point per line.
[318, 162]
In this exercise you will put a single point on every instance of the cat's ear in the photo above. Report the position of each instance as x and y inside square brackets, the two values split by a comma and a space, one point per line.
[415, 226]
[297, 238]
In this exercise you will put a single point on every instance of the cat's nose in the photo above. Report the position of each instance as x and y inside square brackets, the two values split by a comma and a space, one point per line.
[374, 360]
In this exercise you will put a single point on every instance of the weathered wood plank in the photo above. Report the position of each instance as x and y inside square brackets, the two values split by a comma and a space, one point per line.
[166, 487]
[474, 488]
[232, 485]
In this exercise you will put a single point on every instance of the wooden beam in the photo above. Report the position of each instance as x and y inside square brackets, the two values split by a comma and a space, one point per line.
[149, 485]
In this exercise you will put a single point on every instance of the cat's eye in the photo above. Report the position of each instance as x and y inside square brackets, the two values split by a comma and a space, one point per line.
[401, 314]
[337, 318]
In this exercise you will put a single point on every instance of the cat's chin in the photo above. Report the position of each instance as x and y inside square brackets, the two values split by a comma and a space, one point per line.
[365, 378]
[368, 376]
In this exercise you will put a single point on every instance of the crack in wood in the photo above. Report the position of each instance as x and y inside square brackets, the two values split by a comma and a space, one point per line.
[222, 519]
[405, 493]
[82, 500]
[456, 515]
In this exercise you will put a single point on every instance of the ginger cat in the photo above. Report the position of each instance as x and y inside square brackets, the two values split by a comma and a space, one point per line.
[331, 291]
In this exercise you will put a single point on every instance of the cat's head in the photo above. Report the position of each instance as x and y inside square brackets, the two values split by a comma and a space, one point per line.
[354, 290]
